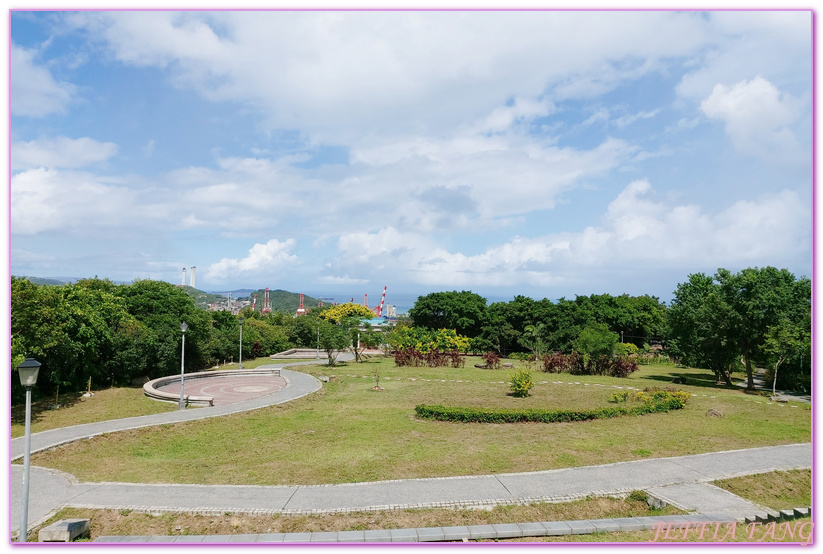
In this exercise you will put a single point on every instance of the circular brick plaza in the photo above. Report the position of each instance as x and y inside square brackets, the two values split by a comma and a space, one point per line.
[228, 389]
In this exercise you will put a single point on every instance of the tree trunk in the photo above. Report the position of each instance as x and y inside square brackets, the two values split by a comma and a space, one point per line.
[774, 382]
[749, 375]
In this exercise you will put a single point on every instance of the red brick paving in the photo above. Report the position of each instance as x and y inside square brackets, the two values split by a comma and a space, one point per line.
[230, 389]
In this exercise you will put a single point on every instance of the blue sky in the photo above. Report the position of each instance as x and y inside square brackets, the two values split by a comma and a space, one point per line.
[542, 153]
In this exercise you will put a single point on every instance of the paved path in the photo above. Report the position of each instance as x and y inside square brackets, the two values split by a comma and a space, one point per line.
[51, 490]
[485, 490]
[298, 385]
[759, 384]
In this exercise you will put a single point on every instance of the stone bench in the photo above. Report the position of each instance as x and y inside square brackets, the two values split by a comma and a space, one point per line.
[65, 530]
[150, 388]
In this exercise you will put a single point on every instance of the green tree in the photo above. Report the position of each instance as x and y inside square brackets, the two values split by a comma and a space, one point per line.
[785, 339]
[362, 339]
[759, 299]
[334, 337]
[699, 331]
[596, 340]
[347, 310]
[462, 311]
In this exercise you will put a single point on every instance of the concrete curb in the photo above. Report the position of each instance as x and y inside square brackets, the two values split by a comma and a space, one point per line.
[151, 390]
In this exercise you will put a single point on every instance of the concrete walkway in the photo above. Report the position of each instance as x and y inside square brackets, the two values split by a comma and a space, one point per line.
[51, 490]
[760, 384]
[299, 385]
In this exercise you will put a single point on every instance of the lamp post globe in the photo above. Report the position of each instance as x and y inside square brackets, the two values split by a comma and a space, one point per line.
[28, 371]
[183, 327]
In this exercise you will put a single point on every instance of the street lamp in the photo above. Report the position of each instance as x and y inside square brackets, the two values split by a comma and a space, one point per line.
[240, 359]
[28, 371]
[183, 328]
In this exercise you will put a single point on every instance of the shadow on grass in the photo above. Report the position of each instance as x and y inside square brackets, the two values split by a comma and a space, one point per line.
[39, 407]
[691, 377]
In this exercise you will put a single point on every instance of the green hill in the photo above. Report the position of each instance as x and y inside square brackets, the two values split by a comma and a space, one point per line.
[283, 300]
[203, 299]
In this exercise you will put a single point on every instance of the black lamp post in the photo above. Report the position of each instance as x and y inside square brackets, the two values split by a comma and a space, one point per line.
[28, 371]
[240, 363]
[183, 327]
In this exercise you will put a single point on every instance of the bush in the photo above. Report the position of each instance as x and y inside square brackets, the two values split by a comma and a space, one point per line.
[653, 396]
[579, 364]
[411, 357]
[481, 415]
[521, 383]
[492, 360]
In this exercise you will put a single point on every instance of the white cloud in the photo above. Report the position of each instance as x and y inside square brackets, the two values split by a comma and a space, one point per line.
[51, 200]
[739, 44]
[356, 77]
[273, 256]
[757, 117]
[34, 92]
[629, 119]
[636, 229]
[60, 152]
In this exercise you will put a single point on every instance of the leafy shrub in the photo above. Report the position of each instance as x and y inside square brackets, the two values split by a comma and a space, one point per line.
[522, 356]
[653, 396]
[521, 383]
[581, 364]
[617, 397]
[492, 360]
[625, 350]
[556, 363]
[411, 357]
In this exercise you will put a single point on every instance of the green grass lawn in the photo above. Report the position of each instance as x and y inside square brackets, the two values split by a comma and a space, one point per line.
[114, 403]
[348, 432]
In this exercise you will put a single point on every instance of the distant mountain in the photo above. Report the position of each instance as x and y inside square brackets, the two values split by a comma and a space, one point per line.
[46, 281]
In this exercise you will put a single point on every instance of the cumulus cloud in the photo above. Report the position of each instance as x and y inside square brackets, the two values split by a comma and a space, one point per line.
[273, 256]
[60, 152]
[34, 92]
[756, 116]
[637, 228]
[390, 73]
[48, 200]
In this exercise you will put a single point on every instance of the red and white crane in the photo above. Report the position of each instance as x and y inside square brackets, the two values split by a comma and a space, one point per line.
[266, 302]
[379, 309]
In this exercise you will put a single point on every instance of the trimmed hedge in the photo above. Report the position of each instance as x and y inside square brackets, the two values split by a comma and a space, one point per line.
[503, 415]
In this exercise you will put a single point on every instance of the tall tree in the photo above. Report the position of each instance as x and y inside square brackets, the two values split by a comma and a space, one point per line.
[759, 299]
[462, 311]
[699, 328]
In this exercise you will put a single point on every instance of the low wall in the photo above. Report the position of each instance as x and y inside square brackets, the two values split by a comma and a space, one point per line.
[150, 388]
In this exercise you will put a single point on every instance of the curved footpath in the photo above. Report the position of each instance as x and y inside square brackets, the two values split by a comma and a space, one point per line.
[681, 481]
